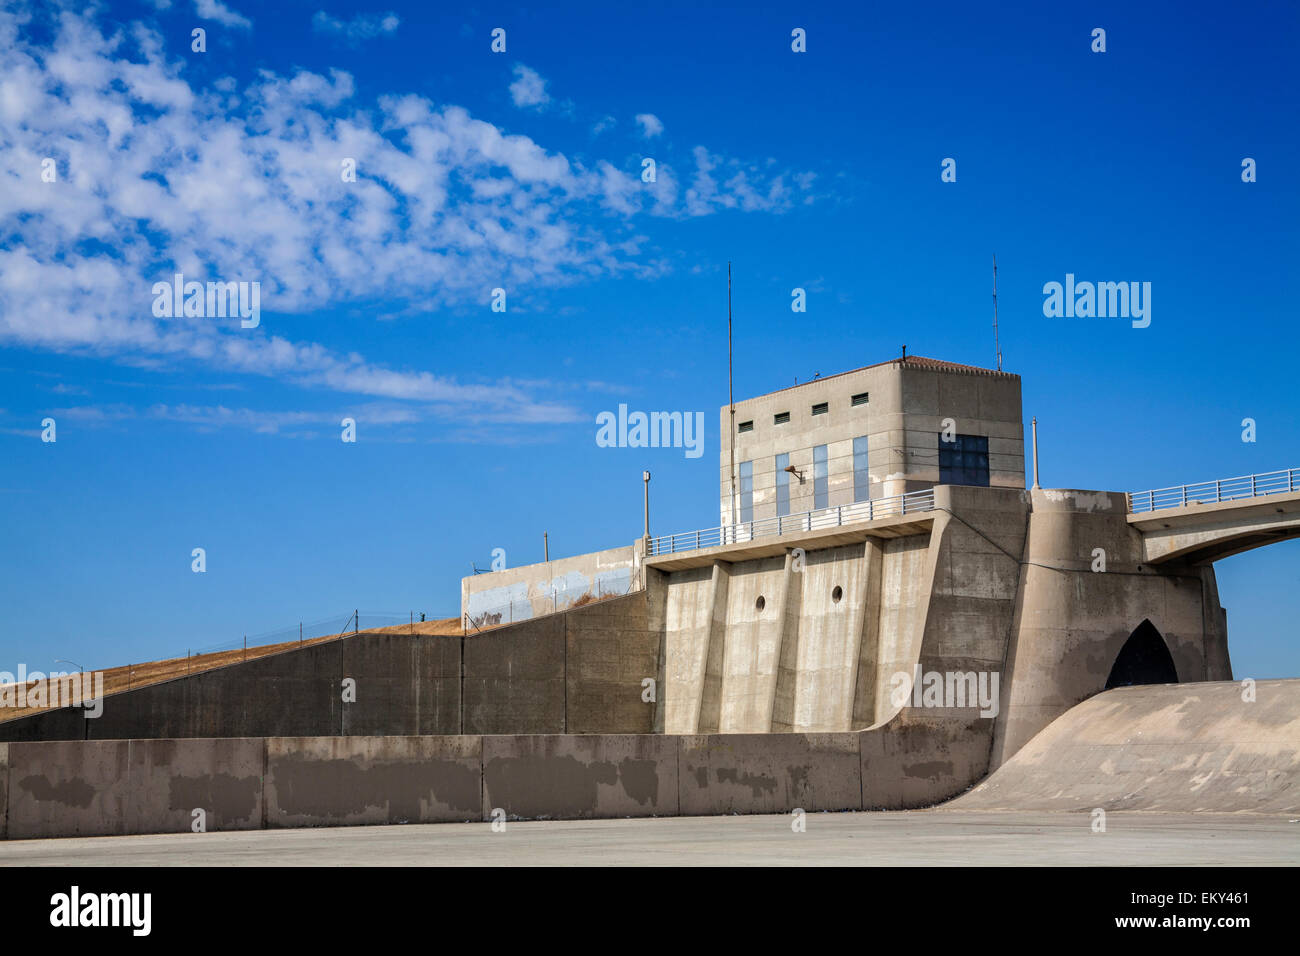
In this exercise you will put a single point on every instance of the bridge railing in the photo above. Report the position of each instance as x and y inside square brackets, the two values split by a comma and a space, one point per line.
[1212, 492]
[906, 504]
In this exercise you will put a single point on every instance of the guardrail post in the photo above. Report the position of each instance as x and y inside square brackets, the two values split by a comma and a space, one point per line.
[697, 541]
[1218, 491]
[1184, 496]
[1253, 492]
[839, 515]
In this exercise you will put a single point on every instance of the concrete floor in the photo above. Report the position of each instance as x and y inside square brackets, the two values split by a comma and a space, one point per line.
[918, 838]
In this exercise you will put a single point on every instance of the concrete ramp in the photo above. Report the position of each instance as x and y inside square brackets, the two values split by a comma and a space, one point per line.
[1169, 747]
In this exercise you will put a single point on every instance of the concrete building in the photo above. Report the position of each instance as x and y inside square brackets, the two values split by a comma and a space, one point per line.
[892, 657]
[875, 432]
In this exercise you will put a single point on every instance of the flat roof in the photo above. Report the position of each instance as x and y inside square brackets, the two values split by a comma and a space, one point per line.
[911, 361]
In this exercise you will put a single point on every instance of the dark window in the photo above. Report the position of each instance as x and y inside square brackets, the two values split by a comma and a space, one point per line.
[860, 399]
[782, 485]
[861, 477]
[819, 477]
[746, 491]
[821, 409]
[964, 460]
[780, 418]
[745, 427]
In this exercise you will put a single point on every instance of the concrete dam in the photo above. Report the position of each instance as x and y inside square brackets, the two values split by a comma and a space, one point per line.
[957, 638]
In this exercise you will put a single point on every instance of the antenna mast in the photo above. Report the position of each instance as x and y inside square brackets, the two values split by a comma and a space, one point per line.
[731, 398]
[997, 345]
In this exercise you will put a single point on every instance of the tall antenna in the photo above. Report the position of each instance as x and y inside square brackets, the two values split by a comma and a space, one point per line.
[731, 398]
[997, 344]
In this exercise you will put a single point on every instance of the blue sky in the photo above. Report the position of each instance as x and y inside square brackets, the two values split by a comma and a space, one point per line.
[521, 170]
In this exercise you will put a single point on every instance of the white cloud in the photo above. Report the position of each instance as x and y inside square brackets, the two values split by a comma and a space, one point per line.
[363, 26]
[528, 89]
[216, 10]
[243, 184]
[651, 125]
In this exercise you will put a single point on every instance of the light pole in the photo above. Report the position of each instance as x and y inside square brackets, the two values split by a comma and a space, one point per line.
[645, 476]
[1034, 425]
[81, 674]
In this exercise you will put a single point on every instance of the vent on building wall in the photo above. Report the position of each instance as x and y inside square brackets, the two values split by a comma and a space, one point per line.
[745, 427]
[780, 418]
[860, 399]
[821, 409]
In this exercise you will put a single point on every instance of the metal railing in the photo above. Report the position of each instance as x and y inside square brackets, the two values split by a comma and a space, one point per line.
[1212, 492]
[912, 502]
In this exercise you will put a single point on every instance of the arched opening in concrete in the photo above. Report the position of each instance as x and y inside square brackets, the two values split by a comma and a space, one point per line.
[1144, 659]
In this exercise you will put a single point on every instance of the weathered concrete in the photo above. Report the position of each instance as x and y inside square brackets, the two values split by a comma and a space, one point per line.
[610, 649]
[404, 683]
[350, 781]
[569, 777]
[580, 670]
[68, 788]
[515, 678]
[168, 780]
[1176, 748]
[918, 760]
[4, 791]
[768, 773]
[522, 593]
[1072, 618]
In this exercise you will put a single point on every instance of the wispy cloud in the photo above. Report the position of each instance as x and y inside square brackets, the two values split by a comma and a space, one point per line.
[364, 26]
[156, 176]
[528, 89]
[651, 125]
[218, 11]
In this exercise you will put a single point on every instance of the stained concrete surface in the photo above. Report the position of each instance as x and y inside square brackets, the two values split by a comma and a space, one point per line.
[916, 838]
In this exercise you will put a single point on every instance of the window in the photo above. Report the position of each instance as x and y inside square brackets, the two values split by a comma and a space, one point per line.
[860, 399]
[964, 461]
[861, 477]
[746, 491]
[819, 477]
[821, 409]
[745, 427]
[782, 485]
[780, 418]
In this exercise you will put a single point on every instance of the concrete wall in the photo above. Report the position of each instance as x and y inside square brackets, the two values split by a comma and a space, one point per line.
[580, 670]
[349, 781]
[114, 787]
[1072, 621]
[528, 591]
[99, 788]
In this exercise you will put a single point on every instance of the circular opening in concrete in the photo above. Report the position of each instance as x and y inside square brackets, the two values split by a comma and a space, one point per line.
[760, 603]
[837, 594]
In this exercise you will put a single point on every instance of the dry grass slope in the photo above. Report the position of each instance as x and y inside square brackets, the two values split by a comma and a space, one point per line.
[118, 679]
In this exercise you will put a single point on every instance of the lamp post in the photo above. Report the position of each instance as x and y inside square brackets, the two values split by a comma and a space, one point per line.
[645, 477]
[81, 673]
[1034, 425]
